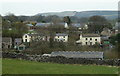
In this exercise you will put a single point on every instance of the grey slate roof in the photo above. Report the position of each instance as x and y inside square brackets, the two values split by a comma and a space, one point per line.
[117, 26]
[29, 24]
[61, 34]
[91, 35]
[76, 24]
[42, 24]
[36, 34]
[18, 39]
[6, 39]
[73, 54]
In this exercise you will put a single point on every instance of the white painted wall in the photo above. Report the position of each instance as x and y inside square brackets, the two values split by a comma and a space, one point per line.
[64, 38]
[28, 38]
[93, 41]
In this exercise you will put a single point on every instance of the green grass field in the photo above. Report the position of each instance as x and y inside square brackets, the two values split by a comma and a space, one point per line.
[14, 66]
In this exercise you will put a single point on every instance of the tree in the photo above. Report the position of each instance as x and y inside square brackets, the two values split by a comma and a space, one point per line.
[67, 20]
[11, 17]
[62, 46]
[97, 23]
[5, 24]
[34, 24]
[17, 30]
[83, 20]
[40, 18]
[115, 39]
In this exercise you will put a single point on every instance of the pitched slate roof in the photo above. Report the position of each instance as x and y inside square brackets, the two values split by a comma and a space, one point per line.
[6, 39]
[91, 35]
[18, 39]
[76, 24]
[73, 54]
[61, 34]
[117, 26]
[36, 34]
[29, 24]
[42, 24]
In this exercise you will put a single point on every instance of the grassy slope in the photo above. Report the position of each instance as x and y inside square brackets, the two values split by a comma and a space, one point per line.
[0, 66]
[13, 66]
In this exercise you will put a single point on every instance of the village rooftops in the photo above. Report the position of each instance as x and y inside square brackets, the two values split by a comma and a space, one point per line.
[90, 35]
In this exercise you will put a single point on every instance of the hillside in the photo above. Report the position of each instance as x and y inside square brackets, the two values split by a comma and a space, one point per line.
[107, 14]
[61, 14]
[14, 66]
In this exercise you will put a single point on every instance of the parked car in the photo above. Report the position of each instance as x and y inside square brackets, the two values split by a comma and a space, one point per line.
[46, 55]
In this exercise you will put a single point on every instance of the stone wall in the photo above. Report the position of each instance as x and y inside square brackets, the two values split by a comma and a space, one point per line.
[61, 60]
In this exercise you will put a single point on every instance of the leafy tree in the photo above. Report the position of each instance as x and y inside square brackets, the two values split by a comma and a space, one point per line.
[11, 17]
[97, 23]
[33, 24]
[115, 39]
[67, 20]
[17, 30]
[62, 46]
[83, 20]
[6, 24]
[40, 18]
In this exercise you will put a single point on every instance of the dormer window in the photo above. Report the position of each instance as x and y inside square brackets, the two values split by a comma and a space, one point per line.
[25, 36]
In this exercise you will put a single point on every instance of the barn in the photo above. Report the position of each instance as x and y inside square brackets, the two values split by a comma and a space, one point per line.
[79, 54]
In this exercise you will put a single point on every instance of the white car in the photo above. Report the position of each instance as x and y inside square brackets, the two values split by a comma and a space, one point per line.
[46, 55]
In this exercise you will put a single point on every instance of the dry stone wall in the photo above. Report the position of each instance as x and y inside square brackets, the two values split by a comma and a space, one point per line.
[61, 60]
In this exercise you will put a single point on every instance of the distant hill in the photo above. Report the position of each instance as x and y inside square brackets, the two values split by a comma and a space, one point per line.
[61, 14]
[107, 14]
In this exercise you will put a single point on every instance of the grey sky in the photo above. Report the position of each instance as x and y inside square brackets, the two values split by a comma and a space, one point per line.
[32, 7]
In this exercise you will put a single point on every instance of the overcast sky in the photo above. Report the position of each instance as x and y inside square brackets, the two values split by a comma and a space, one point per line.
[32, 7]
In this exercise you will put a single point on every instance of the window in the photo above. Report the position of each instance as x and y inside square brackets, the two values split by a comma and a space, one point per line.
[25, 40]
[8, 46]
[95, 39]
[63, 36]
[86, 39]
[86, 43]
[25, 36]
[90, 38]
[58, 36]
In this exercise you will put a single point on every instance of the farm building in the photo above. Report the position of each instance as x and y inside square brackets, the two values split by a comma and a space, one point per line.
[61, 37]
[89, 39]
[6, 42]
[74, 54]
[35, 37]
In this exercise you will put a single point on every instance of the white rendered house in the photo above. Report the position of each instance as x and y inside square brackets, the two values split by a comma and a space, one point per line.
[35, 37]
[89, 39]
[60, 37]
